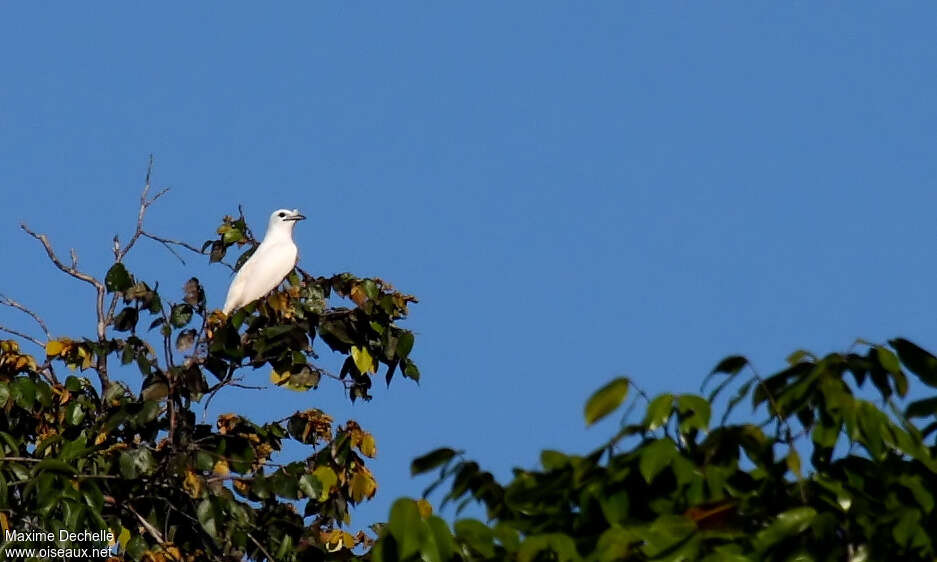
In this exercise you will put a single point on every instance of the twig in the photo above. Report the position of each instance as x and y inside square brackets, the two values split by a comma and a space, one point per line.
[167, 242]
[99, 289]
[20, 459]
[44, 240]
[7, 301]
[260, 546]
[22, 335]
[153, 531]
[144, 205]
[248, 387]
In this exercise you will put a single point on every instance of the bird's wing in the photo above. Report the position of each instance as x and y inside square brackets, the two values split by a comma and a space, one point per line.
[261, 274]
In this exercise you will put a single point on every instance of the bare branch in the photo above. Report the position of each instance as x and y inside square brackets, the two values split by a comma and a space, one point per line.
[44, 240]
[260, 546]
[7, 301]
[22, 335]
[99, 302]
[144, 205]
[153, 531]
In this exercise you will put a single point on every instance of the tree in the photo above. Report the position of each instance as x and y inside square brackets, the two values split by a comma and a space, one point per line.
[82, 451]
[670, 485]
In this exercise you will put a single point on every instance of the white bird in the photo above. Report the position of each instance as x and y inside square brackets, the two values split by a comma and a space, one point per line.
[273, 260]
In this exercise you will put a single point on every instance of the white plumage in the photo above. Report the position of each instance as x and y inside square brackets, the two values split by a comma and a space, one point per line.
[269, 265]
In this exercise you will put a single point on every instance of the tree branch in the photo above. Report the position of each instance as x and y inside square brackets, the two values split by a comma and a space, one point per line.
[26, 337]
[99, 288]
[7, 301]
[153, 531]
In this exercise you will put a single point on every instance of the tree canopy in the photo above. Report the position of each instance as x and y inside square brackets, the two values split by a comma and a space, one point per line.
[843, 466]
[82, 450]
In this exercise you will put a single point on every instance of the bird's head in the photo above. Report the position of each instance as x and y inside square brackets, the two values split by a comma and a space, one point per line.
[284, 219]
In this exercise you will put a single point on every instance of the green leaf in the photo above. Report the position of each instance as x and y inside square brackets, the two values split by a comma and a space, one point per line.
[310, 486]
[180, 315]
[431, 460]
[410, 370]
[562, 546]
[888, 359]
[614, 544]
[4, 394]
[74, 413]
[185, 340]
[731, 366]
[327, 478]
[126, 319]
[54, 465]
[477, 535]
[136, 462]
[605, 400]
[667, 533]
[694, 412]
[23, 392]
[655, 457]
[207, 517]
[407, 528]
[923, 496]
[919, 408]
[404, 344]
[553, 460]
[791, 522]
[658, 412]
[439, 546]
[918, 361]
[615, 507]
[117, 279]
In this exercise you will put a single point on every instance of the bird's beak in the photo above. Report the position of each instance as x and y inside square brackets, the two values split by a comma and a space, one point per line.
[295, 217]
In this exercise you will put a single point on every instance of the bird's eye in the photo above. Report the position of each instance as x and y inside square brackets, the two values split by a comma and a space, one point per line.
[281, 214]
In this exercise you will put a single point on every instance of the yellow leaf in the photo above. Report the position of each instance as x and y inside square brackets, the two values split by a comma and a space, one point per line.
[4, 522]
[101, 438]
[358, 295]
[124, 536]
[278, 379]
[424, 508]
[363, 359]
[227, 423]
[278, 301]
[242, 487]
[54, 348]
[328, 478]
[367, 446]
[332, 539]
[86, 357]
[363, 485]
[192, 484]
[221, 467]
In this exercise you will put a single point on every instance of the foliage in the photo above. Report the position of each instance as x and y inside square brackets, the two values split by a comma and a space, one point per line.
[94, 454]
[672, 485]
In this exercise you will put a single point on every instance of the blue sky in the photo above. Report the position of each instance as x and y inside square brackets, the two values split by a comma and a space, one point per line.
[573, 191]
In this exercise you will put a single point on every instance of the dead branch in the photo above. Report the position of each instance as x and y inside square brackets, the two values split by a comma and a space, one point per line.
[99, 303]
[153, 531]
[7, 301]
[26, 337]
